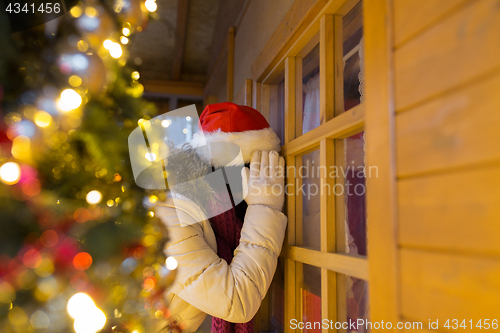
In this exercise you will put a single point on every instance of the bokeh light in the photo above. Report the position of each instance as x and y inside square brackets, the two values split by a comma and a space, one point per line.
[76, 11]
[82, 46]
[32, 258]
[149, 283]
[88, 318]
[69, 100]
[135, 75]
[42, 119]
[123, 40]
[81, 215]
[94, 197]
[7, 293]
[49, 238]
[148, 240]
[90, 11]
[108, 43]
[75, 81]
[171, 263]
[31, 187]
[10, 173]
[126, 31]
[151, 5]
[82, 261]
[40, 320]
[115, 50]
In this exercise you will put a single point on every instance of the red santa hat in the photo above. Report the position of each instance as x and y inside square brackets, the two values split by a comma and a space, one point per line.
[238, 124]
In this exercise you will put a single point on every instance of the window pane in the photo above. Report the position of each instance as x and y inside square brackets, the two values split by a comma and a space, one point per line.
[352, 52]
[355, 303]
[277, 110]
[278, 298]
[310, 294]
[310, 90]
[310, 201]
[354, 151]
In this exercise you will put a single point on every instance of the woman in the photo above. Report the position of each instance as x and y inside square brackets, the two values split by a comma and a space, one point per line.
[210, 280]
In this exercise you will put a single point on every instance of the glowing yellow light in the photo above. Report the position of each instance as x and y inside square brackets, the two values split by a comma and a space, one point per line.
[151, 5]
[136, 90]
[78, 304]
[7, 293]
[10, 173]
[171, 263]
[151, 213]
[42, 119]
[135, 75]
[148, 240]
[46, 268]
[123, 40]
[82, 45]
[94, 197]
[21, 143]
[69, 100]
[93, 321]
[17, 316]
[110, 203]
[126, 31]
[90, 11]
[76, 11]
[75, 81]
[88, 318]
[153, 199]
[165, 123]
[108, 43]
[115, 50]
[150, 156]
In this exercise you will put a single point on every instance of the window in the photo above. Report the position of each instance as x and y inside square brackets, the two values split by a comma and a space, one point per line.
[323, 271]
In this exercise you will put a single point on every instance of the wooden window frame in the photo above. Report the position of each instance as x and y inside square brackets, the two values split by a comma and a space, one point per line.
[325, 28]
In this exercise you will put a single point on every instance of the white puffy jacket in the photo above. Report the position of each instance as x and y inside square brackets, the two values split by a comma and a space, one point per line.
[205, 283]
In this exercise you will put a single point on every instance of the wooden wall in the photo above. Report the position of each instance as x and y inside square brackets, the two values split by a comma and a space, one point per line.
[444, 111]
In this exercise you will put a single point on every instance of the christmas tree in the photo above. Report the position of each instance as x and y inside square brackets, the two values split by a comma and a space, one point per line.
[80, 248]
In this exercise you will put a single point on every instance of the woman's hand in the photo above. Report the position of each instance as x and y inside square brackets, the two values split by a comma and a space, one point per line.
[263, 183]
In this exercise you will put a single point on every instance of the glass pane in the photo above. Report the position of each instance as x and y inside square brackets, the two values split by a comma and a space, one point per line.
[310, 90]
[277, 106]
[310, 294]
[309, 172]
[356, 303]
[353, 58]
[278, 298]
[355, 177]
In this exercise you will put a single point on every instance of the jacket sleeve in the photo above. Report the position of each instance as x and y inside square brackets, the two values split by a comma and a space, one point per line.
[232, 292]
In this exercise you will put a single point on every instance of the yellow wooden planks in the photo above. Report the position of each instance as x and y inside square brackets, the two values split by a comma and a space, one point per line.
[456, 130]
[444, 286]
[413, 16]
[458, 49]
[453, 212]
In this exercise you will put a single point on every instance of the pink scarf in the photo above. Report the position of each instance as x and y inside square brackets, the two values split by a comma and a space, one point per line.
[227, 229]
